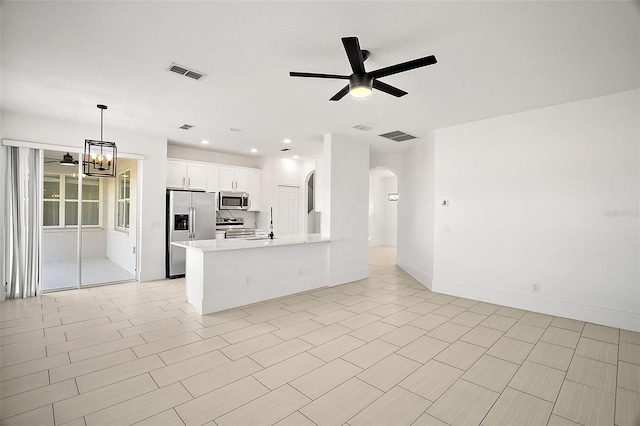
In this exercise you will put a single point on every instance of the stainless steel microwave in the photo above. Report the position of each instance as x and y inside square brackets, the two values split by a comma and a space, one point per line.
[233, 201]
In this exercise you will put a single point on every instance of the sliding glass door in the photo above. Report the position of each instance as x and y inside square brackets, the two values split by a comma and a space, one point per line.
[93, 241]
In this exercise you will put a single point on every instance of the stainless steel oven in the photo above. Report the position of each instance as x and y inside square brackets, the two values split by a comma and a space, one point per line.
[233, 201]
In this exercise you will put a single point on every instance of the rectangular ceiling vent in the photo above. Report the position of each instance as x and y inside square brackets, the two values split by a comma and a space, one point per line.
[362, 127]
[187, 72]
[398, 136]
[186, 126]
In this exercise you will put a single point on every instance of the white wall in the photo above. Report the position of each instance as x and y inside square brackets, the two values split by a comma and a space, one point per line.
[152, 173]
[347, 208]
[547, 196]
[416, 211]
[383, 214]
[120, 244]
[193, 154]
[282, 171]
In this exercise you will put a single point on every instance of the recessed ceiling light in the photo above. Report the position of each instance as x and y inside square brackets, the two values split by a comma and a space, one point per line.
[235, 129]
[295, 157]
[286, 141]
[204, 141]
[253, 150]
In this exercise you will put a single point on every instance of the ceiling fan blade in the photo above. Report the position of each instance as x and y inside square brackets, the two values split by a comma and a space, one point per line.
[405, 66]
[341, 94]
[354, 53]
[377, 84]
[315, 75]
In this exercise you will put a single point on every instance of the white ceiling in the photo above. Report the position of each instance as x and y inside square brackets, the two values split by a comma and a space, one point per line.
[60, 59]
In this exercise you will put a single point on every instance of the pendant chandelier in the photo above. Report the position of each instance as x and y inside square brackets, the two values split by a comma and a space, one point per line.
[100, 156]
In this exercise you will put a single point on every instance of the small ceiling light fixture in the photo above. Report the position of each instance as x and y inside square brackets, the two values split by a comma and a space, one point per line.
[100, 157]
[235, 129]
[67, 160]
[286, 140]
[360, 85]
[253, 150]
[204, 142]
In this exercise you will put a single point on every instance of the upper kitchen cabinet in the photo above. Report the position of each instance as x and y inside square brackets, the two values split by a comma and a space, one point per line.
[254, 181]
[234, 179]
[185, 175]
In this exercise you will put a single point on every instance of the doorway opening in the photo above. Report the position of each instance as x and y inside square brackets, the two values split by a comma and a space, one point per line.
[383, 216]
[89, 225]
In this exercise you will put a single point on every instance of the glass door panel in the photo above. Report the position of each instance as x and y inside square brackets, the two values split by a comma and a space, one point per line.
[59, 221]
[109, 237]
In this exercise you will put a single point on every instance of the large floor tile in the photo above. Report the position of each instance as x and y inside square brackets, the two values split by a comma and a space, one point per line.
[555, 356]
[367, 355]
[518, 408]
[423, 349]
[336, 348]
[279, 374]
[598, 350]
[431, 380]
[629, 376]
[600, 332]
[593, 373]
[325, 378]
[396, 407]
[538, 380]
[461, 355]
[491, 373]
[584, 404]
[627, 408]
[463, 404]
[36, 398]
[561, 336]
[342, 403]
[511, 350]
[267, 409]
[220, 376]
[387, 373]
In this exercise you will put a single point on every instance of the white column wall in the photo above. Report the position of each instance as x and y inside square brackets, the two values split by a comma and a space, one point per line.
[416, 211]
[347, 209]
[548, 196]
[152, 173]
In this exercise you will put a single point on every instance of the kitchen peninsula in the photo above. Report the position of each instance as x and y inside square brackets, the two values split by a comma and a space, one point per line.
[224, 274]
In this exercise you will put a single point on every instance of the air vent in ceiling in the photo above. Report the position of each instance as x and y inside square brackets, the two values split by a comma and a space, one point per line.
[187, 72]
[285, 149]
[398, 136]
[186, 126]
[362, 127]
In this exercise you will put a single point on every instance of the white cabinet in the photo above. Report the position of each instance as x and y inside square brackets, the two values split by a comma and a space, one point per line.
[254, 181]
[185, 175]
[213, 179]
[233, 179]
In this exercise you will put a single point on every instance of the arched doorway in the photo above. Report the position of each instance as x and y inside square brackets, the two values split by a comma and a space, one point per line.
[383, 215]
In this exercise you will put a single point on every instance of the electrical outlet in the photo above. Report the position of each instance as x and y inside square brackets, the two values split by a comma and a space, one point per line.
[535, 287]
[446, 229]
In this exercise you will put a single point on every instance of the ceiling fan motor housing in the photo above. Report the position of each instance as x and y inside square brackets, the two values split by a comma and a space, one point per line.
[360, 84]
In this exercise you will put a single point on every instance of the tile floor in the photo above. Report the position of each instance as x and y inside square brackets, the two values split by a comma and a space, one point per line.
[383, 351]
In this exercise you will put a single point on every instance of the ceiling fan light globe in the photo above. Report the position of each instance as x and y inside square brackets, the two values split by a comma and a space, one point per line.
[360, 92]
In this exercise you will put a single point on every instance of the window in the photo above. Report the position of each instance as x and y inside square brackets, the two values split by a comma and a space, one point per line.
[123, 200]
[60, 201]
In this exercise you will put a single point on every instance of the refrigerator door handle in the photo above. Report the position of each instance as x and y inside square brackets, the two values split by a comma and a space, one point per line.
[191, 224]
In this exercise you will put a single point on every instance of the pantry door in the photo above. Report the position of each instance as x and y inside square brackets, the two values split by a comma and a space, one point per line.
[288, 210]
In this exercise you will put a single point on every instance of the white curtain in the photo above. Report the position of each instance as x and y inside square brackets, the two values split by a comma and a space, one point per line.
[23, 219]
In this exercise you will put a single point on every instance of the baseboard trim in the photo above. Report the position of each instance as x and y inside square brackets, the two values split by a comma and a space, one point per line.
[562, 308]
[421, 276]
[349, 276]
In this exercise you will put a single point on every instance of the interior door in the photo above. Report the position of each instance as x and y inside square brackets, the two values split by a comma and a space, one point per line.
[288, 210]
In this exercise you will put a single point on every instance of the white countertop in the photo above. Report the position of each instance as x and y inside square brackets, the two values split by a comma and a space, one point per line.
[241, 244]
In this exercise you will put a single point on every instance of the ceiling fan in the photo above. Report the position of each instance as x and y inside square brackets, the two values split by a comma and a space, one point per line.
[67, 160]
[362, 82]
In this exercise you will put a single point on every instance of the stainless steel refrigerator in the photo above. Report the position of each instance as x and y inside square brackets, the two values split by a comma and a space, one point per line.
[190, 216]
